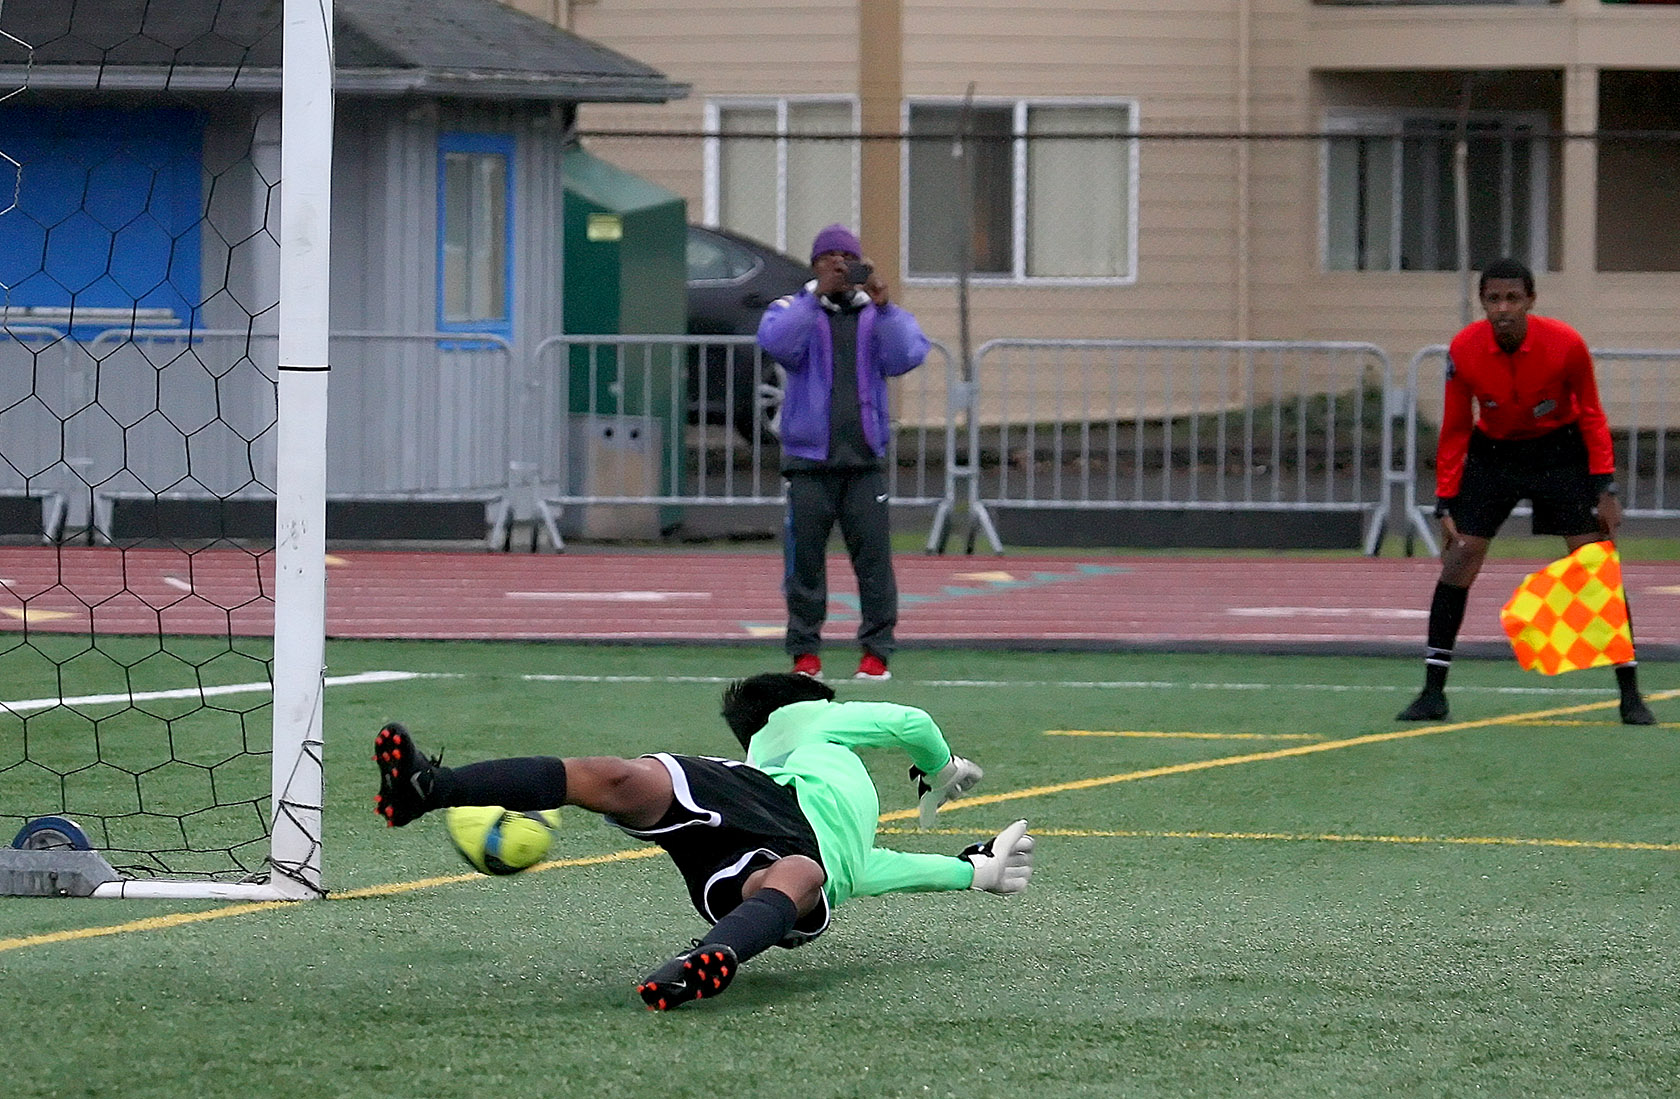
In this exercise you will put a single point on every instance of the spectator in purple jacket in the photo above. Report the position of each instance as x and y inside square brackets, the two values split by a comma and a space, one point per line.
[839, 339]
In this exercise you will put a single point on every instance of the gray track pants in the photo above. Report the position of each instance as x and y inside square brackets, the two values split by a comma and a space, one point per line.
[857, 500]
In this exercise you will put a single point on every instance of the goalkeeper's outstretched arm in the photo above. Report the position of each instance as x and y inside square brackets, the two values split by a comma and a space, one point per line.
[1002, 864]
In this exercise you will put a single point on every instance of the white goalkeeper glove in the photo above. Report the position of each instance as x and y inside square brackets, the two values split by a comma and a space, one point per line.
[957, 777]
[1004, 863]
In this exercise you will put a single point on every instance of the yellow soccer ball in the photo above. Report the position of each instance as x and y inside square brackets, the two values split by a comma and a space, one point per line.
[494, 840]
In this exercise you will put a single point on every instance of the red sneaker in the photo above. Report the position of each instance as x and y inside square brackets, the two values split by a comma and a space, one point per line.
[808, 664]
[872, 667]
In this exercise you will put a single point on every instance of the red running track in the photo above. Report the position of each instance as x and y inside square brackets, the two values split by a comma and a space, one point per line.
[1354, 604]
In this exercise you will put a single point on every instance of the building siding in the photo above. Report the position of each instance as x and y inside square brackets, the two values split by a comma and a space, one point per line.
[1217, 257]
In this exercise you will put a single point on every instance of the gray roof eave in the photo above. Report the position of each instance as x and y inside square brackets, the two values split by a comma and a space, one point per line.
[571, 87]
[440, 83]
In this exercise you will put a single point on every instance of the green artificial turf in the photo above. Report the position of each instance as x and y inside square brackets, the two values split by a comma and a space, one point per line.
[1251, 882]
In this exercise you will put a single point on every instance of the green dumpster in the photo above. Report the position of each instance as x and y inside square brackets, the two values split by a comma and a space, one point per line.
[625, 274]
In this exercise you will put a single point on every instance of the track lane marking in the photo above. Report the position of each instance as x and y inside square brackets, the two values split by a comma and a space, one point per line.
[610, 596]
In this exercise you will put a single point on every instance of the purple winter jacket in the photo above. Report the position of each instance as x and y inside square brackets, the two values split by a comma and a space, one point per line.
[795, 332]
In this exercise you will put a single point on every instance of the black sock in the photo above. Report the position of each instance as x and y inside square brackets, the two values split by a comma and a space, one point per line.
[1446, 615]
[525, 783]
[1627, 680]
[1627, 675]
[756, 924]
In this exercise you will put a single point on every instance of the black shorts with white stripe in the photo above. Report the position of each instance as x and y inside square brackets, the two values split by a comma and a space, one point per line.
[727, 820]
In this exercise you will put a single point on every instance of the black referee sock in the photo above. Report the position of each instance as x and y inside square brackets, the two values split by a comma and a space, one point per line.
[757, 924]
[1627, 681]
[1446, 616]
[1627, 675]
[523, 783]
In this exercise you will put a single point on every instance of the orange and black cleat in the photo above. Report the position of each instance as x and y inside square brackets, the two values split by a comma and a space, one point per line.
[406, 776]
[695, 974]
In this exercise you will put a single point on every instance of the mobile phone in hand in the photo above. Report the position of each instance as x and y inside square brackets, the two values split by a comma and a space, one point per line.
[858, 272]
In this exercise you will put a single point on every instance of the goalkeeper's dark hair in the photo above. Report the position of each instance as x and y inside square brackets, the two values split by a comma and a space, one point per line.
[748, 703]
[1506, 268]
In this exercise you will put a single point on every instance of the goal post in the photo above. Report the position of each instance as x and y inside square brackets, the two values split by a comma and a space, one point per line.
[300, 540]
[164, 291]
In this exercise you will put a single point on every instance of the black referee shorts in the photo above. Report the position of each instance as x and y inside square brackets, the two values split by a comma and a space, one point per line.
[1550, 472]
[727, 820]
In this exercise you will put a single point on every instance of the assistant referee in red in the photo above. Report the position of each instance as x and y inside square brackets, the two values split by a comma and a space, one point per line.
[1537, 432]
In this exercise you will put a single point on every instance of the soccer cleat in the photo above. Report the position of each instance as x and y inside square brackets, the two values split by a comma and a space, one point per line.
[406, 776]
[1635, 712]
[1428, 706]
[1004, 863]
[957, 777]
[694, 974]
[808, 664]
[872, 667]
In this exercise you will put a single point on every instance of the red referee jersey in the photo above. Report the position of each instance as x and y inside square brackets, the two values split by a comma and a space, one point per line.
[1547, 383]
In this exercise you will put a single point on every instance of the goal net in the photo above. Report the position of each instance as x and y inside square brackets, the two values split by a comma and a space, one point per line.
[163, 370]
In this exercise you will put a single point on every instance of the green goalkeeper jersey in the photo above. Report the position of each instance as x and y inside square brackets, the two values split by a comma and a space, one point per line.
[809, 746]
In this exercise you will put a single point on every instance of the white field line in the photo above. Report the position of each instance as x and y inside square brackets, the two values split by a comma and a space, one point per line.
[26, 704]
[1068, 684]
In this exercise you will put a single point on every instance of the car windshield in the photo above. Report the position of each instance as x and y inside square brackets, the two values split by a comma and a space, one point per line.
[713, 258]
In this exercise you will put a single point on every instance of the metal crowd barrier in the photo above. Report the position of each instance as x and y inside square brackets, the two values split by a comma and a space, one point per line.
[1197, 425]
[634, 427]
[1640, 392]
[31, 495]
[610, 436]
[184, 415]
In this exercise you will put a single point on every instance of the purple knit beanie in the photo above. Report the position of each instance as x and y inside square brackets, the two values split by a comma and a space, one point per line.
[836, 238]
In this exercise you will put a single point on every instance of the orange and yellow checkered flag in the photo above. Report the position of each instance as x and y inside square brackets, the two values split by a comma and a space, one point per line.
[1571, 614]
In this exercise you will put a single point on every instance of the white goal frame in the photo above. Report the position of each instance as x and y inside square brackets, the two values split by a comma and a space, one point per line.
[306, 134]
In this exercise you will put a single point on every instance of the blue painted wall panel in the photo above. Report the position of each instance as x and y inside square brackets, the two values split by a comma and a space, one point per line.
[107, 211]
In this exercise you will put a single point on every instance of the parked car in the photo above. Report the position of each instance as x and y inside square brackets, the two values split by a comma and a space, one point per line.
[731, 279]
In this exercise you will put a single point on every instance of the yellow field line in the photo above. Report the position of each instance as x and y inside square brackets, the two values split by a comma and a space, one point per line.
[1319, 837]
[1181, 736]
[1276, 753]
[179, 919]
[393, 888]
[155, 923]
[1598, 725]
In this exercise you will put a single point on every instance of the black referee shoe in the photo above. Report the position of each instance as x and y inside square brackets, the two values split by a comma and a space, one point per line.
[694, 974]
[1635, 712]
[1428, 706]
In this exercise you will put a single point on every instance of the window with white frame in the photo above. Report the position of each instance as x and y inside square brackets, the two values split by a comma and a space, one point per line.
[1390, 198]
[775, 171]
[1051, 188]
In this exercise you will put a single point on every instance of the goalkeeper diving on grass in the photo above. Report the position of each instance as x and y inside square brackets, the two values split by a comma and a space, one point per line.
[768, 847]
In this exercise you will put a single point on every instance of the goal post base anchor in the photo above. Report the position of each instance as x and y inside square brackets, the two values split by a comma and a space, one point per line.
[56, 872]
[148, 889]
[60, 872]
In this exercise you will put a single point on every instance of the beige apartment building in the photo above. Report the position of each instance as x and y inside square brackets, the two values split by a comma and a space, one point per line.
[1335, 220]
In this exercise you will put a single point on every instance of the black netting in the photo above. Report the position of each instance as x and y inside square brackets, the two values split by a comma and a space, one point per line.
[138, 176]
